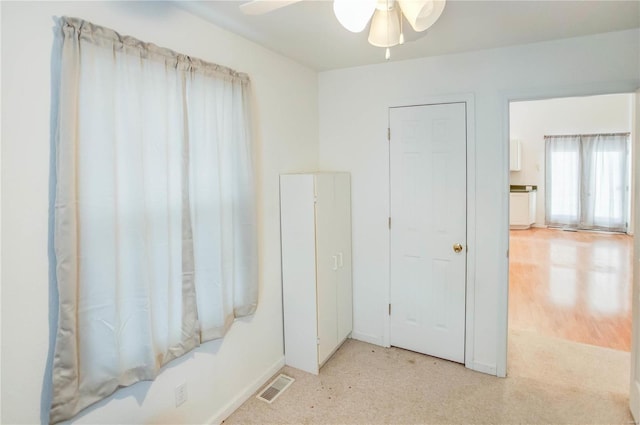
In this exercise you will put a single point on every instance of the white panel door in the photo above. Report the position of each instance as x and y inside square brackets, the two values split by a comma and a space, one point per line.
[428, 229]
[634, 391]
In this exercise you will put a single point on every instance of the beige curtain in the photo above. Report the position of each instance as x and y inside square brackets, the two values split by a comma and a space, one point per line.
[155, 224]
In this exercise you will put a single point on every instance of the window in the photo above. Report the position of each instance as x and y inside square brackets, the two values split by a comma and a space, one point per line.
[587, 182]
[155, 218]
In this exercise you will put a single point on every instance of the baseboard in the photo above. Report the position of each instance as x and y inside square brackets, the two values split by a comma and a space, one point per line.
[539, 226]
[248, 391]
[371, 339]
[482, 367]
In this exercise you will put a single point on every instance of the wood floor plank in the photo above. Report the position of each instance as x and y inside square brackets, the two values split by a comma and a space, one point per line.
[572, 285]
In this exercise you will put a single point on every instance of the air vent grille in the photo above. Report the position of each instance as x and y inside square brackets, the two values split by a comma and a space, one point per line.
[275, 388]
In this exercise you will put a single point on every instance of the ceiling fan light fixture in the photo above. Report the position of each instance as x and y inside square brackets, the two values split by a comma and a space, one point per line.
[354, 14]
[421, 14]
[385, 28]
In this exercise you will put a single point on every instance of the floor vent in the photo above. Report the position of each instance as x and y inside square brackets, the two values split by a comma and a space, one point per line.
[275, 388]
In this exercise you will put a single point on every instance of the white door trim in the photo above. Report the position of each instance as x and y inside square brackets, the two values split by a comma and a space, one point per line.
[634, 390]
[595, 89]
[469, 100]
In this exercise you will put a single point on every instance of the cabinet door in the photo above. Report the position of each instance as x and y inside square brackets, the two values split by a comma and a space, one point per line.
[519, 209]
[327, 266]
[297, 215]
[344, 281]
[514, 155]
[532, 207]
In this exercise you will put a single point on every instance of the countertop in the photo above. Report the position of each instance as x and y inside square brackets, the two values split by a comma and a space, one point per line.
[522, 188]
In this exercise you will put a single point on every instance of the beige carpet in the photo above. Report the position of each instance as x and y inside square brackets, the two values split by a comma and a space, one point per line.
[549, 382]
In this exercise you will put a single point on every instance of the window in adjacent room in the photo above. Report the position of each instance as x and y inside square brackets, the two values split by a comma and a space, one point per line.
[588, 181]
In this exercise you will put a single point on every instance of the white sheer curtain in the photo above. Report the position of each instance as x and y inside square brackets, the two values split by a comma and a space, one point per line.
[587, 182]
[562, 181]
[222, 202]
[155, 226]
[605, 187]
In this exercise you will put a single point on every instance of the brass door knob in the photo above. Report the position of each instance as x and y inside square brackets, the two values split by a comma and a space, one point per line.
[457, 247]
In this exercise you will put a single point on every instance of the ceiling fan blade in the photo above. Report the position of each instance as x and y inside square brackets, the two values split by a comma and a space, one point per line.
[260, 7]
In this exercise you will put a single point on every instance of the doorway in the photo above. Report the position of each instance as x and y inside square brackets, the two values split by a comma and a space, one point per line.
[570, 283]
[574, 170]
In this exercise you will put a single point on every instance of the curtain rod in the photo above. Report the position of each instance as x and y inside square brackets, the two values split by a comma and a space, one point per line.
[596, 134]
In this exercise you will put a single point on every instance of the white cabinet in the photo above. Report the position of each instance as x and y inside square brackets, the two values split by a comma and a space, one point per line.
[515, 155]
[522, 209]
[315, 225]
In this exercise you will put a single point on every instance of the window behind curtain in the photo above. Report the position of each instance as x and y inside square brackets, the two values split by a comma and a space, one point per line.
[587, 181]
[563, 181]
[155, 218]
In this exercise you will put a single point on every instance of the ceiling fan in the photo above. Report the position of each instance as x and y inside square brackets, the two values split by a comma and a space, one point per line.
[386, 16]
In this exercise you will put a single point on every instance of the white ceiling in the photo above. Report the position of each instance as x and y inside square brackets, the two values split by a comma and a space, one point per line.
[308, 32]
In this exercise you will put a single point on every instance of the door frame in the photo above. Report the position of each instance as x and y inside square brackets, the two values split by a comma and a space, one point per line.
[619, 87]
[634, 390]
[469, 100]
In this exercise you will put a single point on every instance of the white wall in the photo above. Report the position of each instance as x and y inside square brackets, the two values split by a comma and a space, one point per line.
[353, 122]
[531, 121]
[287, 130]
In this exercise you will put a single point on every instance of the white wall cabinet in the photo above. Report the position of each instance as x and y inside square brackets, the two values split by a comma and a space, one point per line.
[515, 155]
[522, 209]
[315, 223]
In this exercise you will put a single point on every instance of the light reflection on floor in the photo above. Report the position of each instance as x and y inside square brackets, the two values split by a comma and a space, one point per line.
[572, 285]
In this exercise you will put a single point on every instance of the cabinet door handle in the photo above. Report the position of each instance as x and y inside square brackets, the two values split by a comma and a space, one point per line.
[335, 262]
[340, 261]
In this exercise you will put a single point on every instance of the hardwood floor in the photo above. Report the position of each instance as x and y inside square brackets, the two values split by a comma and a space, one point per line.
[572, 285]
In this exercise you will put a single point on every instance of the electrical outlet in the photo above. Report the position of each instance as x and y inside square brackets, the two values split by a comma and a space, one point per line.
[181, 394]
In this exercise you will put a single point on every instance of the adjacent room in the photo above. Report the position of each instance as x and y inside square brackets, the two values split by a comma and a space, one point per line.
[570, 254]
[207, 202]
[570, 207]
